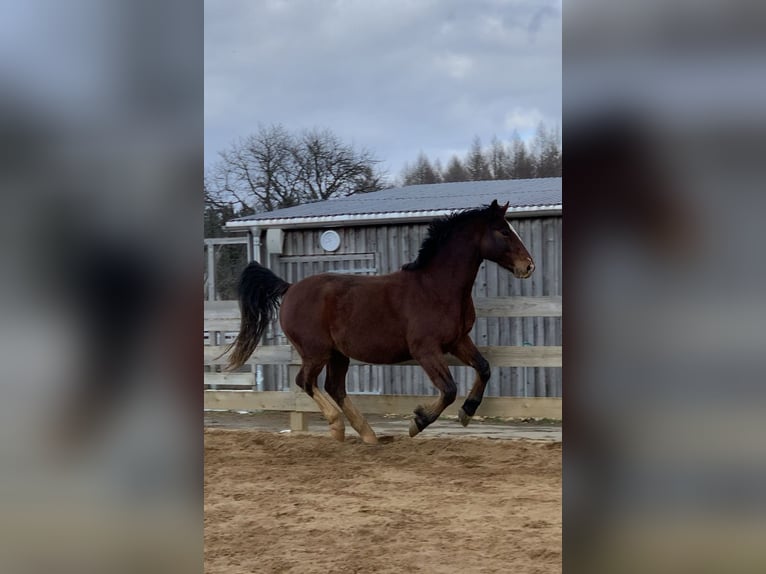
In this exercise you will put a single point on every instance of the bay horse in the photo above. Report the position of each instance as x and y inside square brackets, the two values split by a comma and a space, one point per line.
[420, 312]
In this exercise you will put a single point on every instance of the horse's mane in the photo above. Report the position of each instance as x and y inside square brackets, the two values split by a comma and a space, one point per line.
[439, 231]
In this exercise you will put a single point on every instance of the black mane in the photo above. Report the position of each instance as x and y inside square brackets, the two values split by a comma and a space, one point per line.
[439, 231]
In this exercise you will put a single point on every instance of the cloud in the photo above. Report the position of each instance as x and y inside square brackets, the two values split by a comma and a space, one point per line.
[456, 66]
[395, 76]
[523, 119]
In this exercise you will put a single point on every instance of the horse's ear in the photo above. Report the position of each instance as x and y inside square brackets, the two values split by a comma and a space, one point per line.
[499, 207]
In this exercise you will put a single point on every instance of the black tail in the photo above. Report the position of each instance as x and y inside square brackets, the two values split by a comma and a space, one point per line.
[259, 294]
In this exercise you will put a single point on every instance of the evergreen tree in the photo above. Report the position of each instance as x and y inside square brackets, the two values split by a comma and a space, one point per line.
[498, 159]
[455, 171]
[439, 169]
[548, 160]
[420, 173]
[476, 164]
[523, 165]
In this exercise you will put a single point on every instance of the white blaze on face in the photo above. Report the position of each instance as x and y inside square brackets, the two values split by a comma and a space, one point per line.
[513, 231]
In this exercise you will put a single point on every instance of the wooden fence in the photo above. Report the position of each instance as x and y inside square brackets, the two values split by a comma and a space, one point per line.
[223, 317]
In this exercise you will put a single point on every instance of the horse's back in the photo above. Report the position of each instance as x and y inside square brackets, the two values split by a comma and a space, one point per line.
[360, 316]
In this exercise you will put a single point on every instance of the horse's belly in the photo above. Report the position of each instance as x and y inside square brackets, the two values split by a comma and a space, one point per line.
[371, 348]
[380, 357]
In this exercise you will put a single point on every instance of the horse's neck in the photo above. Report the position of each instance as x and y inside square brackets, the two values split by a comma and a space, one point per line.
[453, 270]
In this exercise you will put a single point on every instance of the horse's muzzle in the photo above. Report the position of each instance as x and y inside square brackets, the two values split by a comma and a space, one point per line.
[524, 271]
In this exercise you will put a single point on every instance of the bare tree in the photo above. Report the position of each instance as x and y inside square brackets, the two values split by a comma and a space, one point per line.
[326, 167]
[255, 172]
[273, 168]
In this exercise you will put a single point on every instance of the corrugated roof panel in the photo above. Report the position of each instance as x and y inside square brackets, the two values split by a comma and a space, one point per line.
[522, 194]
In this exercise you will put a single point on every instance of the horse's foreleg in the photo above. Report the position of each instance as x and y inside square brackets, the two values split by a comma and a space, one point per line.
[307, 380]
[435, 366]
[467, 352]
[336, 387]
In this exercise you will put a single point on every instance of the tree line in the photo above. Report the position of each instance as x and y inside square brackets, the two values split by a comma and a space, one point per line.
[498, 160]
[274, 168]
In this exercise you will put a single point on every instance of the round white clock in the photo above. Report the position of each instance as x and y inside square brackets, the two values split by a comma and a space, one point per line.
[330, 240]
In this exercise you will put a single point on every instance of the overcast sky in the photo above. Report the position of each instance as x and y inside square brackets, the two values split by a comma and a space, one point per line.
[394, 76]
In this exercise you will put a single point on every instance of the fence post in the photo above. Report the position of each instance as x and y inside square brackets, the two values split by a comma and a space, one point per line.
[298, 420]
[210, 270]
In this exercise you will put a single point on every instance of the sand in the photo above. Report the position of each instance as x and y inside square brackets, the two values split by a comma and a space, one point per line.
[303, 503]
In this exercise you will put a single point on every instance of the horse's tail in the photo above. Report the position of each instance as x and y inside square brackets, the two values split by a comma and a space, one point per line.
[259, 294]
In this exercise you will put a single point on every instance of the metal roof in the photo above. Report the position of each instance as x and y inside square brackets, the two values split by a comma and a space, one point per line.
[541, 195]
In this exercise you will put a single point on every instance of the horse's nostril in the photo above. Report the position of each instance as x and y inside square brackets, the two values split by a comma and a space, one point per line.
[530, 267]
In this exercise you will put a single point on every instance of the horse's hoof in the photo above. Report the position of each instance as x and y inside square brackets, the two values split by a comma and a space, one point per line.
[370, 439]
[463, 417]
[413, 428]
[339, 436]
[338, 432]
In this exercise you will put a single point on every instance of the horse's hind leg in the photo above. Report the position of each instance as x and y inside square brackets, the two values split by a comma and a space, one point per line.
[467, 352]
[307, 380]
[335, 384]
[435, 366]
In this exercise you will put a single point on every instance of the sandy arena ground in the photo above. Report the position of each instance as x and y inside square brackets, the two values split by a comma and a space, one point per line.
[303, 503]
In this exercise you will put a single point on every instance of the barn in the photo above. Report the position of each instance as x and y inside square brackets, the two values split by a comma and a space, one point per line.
[376, 233]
